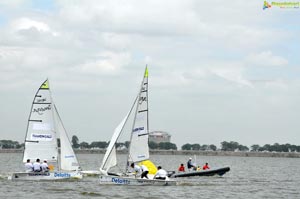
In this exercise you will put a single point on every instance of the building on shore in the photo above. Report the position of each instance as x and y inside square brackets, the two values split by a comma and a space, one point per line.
[159, 136]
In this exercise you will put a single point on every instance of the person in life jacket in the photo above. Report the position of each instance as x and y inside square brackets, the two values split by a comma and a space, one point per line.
[205, 166]
[181, 168]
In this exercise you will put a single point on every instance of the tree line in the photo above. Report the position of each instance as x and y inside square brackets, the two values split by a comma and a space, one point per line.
[9, 144]
[119, 145]
[225, 146]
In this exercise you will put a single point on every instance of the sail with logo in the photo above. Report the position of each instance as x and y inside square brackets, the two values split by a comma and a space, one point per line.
[139, 148]
[138, 151]
[44, 128]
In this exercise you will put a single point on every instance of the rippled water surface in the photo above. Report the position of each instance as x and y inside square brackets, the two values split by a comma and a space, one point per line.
[249, 177]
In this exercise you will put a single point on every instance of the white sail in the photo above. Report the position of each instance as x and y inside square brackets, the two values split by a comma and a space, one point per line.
[110, 157]
[68, 160]
[40, 140]
[139, 149]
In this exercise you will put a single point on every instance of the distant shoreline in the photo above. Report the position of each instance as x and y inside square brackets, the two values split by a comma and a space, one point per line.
[172, 152]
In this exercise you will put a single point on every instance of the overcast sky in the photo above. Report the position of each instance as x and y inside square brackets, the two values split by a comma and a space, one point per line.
[218, 71]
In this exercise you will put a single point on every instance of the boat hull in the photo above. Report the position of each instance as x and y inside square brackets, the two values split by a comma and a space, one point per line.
[131, 181]
[46, 176]
[209, 172]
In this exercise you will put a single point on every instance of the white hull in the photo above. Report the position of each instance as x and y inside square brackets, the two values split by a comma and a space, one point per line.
[122, 180]
[90, 173]
[51, 176]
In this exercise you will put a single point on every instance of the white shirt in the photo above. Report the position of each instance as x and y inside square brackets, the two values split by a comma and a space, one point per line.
[161, 173]
[137, 169]
[36, 166]
[28, 167]
[44, 166]
[144, 168]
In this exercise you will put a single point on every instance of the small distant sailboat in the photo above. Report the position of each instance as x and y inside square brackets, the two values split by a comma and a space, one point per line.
[138, 150]
[43, 128]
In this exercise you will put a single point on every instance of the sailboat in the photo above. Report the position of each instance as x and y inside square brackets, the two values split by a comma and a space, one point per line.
[138, 151]
[44, 127]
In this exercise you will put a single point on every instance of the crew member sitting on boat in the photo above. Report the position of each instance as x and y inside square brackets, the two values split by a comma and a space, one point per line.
[136, 169]
[145, 171]
[28, 166]
[37, 166]
[198, 168]
[181, 168]
[160, 174]
[205, 166]
[190, 165]
[44, 166]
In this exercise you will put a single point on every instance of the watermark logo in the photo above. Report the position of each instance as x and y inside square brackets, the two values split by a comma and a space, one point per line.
[281, 4]
[266, 5]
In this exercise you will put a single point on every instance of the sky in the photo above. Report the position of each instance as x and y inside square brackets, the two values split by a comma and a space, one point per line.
[218, 71]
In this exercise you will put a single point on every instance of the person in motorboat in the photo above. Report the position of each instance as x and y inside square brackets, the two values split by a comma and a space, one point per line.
[160, 174]
[181, 168]
[198, 168]
[37, 166]
[190, 165]
[136, 169]
[44, 166]
[145, 171]
[205, 166]
[28, 166]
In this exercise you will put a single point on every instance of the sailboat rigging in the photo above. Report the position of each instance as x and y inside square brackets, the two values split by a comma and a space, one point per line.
[43, 128]
[138, 148]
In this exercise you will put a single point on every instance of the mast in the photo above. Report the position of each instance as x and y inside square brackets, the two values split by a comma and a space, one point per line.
[138, 128]
[146, 75]
[55, 127]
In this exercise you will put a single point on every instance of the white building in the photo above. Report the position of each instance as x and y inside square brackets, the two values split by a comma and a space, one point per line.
[159, 136]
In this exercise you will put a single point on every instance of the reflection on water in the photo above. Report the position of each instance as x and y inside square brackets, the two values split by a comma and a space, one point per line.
[249, 177]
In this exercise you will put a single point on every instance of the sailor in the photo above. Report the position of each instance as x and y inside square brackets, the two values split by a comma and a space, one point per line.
[44, 166]
[205, 166]
[28, 166]
[198, 168]
[181, 168]
[160, 174]
[136, 169]
[37, 166]
[190, 165]
[145, 171]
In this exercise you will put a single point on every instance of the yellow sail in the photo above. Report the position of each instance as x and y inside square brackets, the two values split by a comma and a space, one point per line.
[146, 72]
[150, 165]
[45, 85]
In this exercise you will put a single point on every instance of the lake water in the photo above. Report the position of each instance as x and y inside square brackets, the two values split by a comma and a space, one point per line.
[249, 177]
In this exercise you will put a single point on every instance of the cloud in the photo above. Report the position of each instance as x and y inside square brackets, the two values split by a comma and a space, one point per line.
[26, 23]
[13, 4]
[266, 58]
[167, 19]
[106, 62]
[208, 57]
